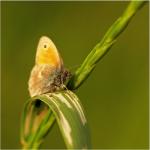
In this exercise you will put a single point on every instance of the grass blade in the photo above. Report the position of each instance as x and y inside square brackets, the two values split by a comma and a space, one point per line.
[40, 113]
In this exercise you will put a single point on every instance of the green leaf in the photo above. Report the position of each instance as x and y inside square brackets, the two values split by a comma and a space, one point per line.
[40, 113]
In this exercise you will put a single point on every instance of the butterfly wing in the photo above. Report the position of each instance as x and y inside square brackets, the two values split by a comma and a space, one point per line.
[47, 53]
[48, 67]
[42, 79]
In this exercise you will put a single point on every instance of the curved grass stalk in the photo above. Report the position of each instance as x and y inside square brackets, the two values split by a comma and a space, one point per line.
[102, 48]
[40, 113]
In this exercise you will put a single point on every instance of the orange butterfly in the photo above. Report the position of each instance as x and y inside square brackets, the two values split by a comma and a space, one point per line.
[48, 74]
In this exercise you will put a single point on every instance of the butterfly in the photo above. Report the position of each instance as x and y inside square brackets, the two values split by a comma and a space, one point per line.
[48, 73]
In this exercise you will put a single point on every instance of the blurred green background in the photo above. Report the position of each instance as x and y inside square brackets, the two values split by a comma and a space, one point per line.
[115, 96]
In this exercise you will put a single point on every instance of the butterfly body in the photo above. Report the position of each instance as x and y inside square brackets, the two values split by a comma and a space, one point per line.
[48, 74]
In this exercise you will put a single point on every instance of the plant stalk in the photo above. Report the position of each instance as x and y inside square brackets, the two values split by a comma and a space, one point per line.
[102, 48]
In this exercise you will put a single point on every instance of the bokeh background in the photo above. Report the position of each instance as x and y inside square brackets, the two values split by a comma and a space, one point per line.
[115, 96]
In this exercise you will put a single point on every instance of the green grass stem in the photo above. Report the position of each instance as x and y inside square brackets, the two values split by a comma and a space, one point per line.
[102, 47]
